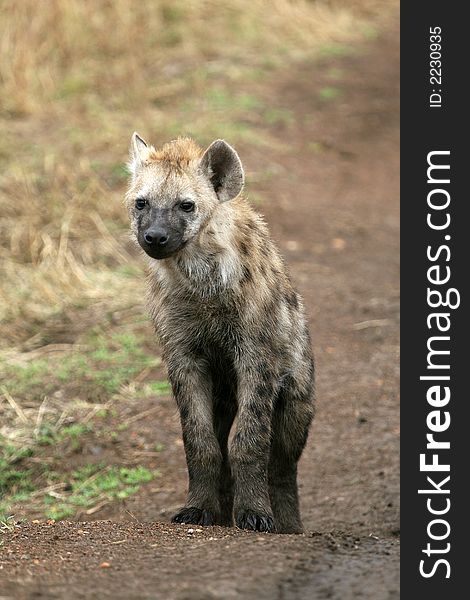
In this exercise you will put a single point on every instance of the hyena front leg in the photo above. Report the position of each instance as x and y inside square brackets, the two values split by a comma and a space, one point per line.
[249, 451]
[192, 387]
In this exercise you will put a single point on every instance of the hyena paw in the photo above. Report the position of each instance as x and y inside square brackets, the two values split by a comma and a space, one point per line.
[249, 519]
[194, 516]
[290, 528]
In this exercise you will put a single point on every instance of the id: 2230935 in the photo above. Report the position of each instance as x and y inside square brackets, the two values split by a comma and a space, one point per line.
[435, 67]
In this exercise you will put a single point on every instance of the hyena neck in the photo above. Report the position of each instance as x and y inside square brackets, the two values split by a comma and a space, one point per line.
[209, 265]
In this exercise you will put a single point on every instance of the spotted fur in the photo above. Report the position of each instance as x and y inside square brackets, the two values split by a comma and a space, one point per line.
[233, 333]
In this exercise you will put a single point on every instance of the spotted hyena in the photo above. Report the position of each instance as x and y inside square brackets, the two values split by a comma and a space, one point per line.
[233, 332]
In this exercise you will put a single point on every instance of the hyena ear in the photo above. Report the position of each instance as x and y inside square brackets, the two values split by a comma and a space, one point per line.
[137, 152]
[222, 165]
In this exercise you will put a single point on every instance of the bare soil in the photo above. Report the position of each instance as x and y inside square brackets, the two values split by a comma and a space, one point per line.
[333, 207]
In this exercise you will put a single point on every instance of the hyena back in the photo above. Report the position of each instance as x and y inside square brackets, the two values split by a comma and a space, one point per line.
[233, 333]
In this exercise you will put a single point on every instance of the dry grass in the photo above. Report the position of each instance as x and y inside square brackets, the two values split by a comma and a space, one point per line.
[66, 47]
[76, 78]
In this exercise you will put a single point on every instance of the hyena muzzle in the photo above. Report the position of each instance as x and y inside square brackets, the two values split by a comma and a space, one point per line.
[233, 333]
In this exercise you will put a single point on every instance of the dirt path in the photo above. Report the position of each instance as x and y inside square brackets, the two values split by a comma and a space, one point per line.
[340, 236]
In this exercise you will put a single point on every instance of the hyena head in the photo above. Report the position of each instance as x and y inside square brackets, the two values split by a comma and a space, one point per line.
[174, 191]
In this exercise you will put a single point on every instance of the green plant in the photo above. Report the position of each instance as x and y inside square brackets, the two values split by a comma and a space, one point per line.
[95, 483]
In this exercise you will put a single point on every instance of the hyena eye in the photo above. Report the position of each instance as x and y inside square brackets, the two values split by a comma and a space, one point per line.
[187, 205]
[140, 203]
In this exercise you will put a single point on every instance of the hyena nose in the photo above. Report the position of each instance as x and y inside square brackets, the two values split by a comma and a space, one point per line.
[156, 237]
